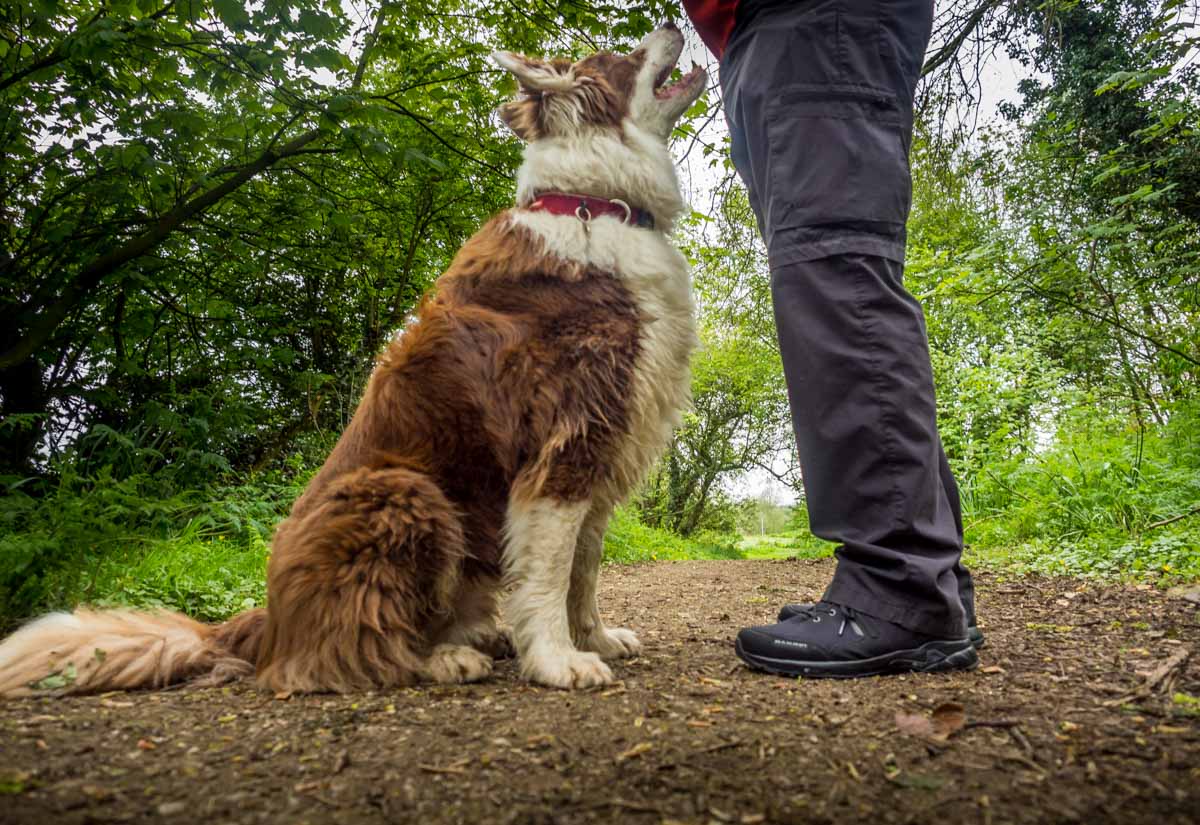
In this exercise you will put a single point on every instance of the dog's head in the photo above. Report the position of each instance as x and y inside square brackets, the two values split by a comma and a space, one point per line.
[602, 92]
[600, 126]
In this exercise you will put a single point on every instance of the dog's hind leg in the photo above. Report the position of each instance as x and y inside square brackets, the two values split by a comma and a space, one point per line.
[587, 628]
[358, 582]
[541, 535]
[476, 619]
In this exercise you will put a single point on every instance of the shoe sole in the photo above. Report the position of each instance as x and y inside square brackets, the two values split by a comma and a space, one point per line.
[931, 657]
[975, 634]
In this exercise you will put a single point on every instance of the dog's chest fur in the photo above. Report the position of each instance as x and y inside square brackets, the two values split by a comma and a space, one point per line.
[656, 275]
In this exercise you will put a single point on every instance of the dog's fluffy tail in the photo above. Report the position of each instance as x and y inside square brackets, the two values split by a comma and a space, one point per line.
[89, 651]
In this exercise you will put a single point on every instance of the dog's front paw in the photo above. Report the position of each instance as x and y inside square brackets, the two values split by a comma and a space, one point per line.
[569, 669]
[454, 664]
[613, 643]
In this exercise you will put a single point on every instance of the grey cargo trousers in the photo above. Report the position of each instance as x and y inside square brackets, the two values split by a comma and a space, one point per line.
[819, 99]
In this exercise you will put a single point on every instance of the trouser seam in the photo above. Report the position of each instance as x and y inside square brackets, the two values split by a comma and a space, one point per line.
[886, 419]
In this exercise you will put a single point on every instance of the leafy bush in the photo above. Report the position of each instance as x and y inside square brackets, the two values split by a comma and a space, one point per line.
[135, 540]
[1102, 499]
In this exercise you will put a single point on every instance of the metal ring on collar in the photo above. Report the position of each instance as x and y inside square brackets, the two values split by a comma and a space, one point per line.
[626, 207]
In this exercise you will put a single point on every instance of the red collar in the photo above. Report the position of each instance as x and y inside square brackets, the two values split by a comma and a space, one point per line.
[585, 207]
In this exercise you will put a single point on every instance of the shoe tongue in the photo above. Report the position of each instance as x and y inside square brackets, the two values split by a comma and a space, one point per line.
[818, 610]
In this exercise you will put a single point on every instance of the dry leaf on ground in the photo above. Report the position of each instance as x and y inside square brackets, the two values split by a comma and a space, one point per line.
[946, 720]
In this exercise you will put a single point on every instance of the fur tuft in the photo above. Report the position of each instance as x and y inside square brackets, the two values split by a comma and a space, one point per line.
[89, 651]
[355, 581]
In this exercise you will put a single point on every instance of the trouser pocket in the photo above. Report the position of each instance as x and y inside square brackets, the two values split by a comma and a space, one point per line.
[838, 154]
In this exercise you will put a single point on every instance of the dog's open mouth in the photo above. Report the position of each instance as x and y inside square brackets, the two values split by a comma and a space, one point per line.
[687, 81]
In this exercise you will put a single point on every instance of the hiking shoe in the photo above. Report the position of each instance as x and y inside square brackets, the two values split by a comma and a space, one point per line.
[974, 633]
[827, 640]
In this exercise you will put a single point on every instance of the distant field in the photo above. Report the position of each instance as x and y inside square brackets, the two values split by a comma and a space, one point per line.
[784, 547]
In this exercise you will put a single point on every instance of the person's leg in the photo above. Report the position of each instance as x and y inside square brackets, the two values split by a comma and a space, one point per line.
[860, 386]
[861, 391]
[819, 100]
[966, 586]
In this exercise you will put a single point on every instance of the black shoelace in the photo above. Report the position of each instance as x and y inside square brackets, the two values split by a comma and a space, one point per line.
[820, 610]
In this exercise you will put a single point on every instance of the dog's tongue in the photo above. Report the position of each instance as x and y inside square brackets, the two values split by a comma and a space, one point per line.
[679, 85]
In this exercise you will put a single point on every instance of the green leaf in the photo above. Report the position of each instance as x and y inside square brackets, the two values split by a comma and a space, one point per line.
[340, 103]
[57, 680]
[232, 13]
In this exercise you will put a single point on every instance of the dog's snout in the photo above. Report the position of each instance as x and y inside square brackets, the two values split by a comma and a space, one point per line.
[669, 24]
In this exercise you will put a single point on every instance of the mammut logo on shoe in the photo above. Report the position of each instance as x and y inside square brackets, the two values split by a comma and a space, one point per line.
[789, 643]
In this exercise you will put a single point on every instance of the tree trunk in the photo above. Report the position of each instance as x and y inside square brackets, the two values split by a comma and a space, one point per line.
[22, 392]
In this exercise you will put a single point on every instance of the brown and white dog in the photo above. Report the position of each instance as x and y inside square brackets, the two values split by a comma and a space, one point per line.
[540, 380]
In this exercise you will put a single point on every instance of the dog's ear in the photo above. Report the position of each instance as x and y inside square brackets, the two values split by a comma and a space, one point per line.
[553, 97]
[538, 81]
[536, 75]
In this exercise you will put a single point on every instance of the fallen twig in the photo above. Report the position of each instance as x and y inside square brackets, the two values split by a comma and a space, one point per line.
[1160, 675]
[1101, 687]
[1017, 734]
[1174, 519]
[633, 753]
[666, 766]
[624, 803]
[1158, 678]
[992, 723]
[1026, 761]
[309, 789]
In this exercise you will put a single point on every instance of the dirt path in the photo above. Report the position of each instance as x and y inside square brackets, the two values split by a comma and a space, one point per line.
[687, 735]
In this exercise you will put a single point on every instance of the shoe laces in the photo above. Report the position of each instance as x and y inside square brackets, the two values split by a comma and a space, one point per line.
[824, 610]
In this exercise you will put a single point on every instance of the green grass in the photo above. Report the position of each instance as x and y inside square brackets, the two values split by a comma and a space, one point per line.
[139, 541]
[629, 541]
[208, 579]
[1165, 557]
[213, 578]
[1105, 499]
[133, 542]
[201, 553]
[790, 545]
[1168, 557]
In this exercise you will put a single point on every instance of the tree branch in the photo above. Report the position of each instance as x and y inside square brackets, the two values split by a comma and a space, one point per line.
[39, 323]
[60, 53]
[401, 109]
[1055, 297]
[42, 322]
[947, 52]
